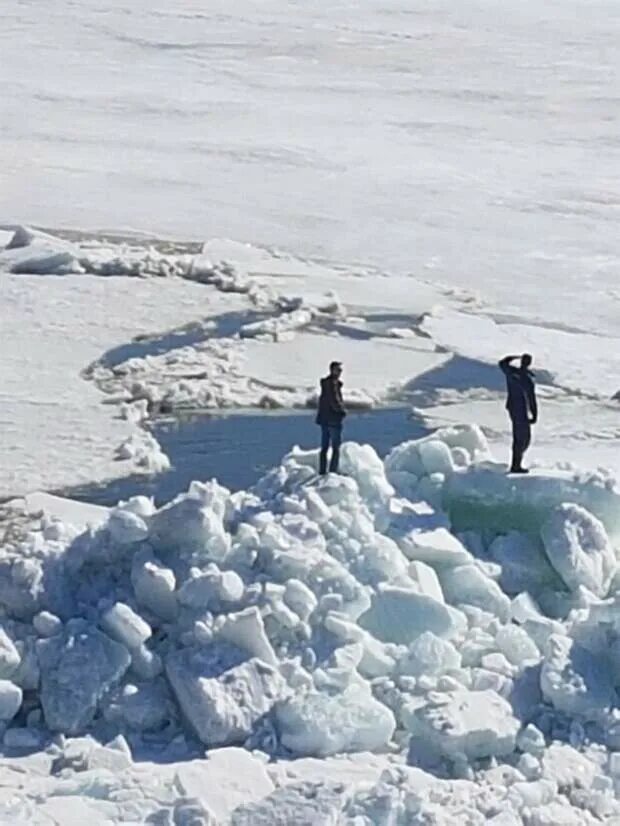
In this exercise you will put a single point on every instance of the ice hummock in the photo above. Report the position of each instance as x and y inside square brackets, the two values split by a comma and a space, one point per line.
[485, 497]
[320, 617]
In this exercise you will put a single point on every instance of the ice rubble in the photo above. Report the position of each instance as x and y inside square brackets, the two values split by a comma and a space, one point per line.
[208, 373]
[579, 549]
[145, 452]
[315, 617]
[33, 251]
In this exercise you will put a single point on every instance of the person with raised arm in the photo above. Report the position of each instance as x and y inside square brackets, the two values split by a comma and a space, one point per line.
[521, 406]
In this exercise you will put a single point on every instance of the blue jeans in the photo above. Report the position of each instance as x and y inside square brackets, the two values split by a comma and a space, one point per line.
[330, 434]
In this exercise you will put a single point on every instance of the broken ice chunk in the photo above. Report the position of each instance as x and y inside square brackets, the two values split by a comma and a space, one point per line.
[579, 549]
[400, 615]
[474, 724]
[318, 725]
[575, 680]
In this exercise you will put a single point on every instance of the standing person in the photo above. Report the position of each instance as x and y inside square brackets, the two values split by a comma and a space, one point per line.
[329, 416]
[521, 406]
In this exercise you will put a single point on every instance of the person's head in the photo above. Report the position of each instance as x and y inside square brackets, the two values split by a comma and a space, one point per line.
[335, 369]
[526, 361]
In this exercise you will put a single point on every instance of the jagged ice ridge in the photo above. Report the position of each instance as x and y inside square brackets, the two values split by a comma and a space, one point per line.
[426, 608]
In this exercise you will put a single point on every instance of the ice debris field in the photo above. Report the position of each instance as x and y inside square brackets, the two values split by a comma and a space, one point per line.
[420, 640]
[155, 328]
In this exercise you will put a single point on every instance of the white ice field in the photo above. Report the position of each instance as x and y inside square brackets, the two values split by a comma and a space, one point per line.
[416, 189]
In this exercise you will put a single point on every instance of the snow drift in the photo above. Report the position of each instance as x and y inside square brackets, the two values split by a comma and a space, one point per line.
[314, 617]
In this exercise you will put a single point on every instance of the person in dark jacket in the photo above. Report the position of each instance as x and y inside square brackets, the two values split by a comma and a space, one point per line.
[521, 406]
[330, 416]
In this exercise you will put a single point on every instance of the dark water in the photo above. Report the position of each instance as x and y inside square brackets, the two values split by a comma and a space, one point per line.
[238, 449]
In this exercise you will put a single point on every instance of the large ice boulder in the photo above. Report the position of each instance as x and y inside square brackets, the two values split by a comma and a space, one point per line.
[484, 497]
[47, 624]
[361, 463]
[468, 437]
[77, 669]
[469, 585]
[210, 588]
[439, 454]
[246, 630]
[566, 767]
[404, 468]
[192, 526]
[516, 645]
[9, 656]
[435, 547]
[380, 559]
[420, 457]
[10, 700]
[145, 663]
[221, 692]
[429, 655]
[154, 586]
[139, 707]
[470, 724]
[436, 457]
[227, 778]
[25, 236]
[318, 724]
[34, 252]
[299, 598]
[524, 565]
[126, 527]
[399, 615]
[426, 579]
[125, 626]
[579, 549]
[575, 680]
[406, 516]
[376, 659]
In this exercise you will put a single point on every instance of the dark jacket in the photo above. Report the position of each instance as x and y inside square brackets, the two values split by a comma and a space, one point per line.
[521, 401]
[331, 410]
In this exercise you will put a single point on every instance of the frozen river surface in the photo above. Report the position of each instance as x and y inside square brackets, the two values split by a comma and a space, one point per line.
[473, 143]
[239, 450]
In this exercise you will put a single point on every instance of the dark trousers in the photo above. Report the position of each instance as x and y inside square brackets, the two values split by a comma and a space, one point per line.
[331, 434]
[521, 438]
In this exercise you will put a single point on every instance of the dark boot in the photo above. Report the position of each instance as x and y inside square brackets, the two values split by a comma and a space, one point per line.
[323, 462]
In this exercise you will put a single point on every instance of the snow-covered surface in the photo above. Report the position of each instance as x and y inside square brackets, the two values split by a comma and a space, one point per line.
[288, 626]
[186, 329]
[55, 430]
[78, 514]
[179, 330]
[464, 156]
[469, 142]
[426, 608]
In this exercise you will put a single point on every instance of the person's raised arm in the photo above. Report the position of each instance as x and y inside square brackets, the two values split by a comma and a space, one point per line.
[505, 363]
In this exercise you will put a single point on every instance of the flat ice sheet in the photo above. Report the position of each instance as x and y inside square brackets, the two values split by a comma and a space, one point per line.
[371, 365]
[471, 143]
[78, 514]
[55, 430]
